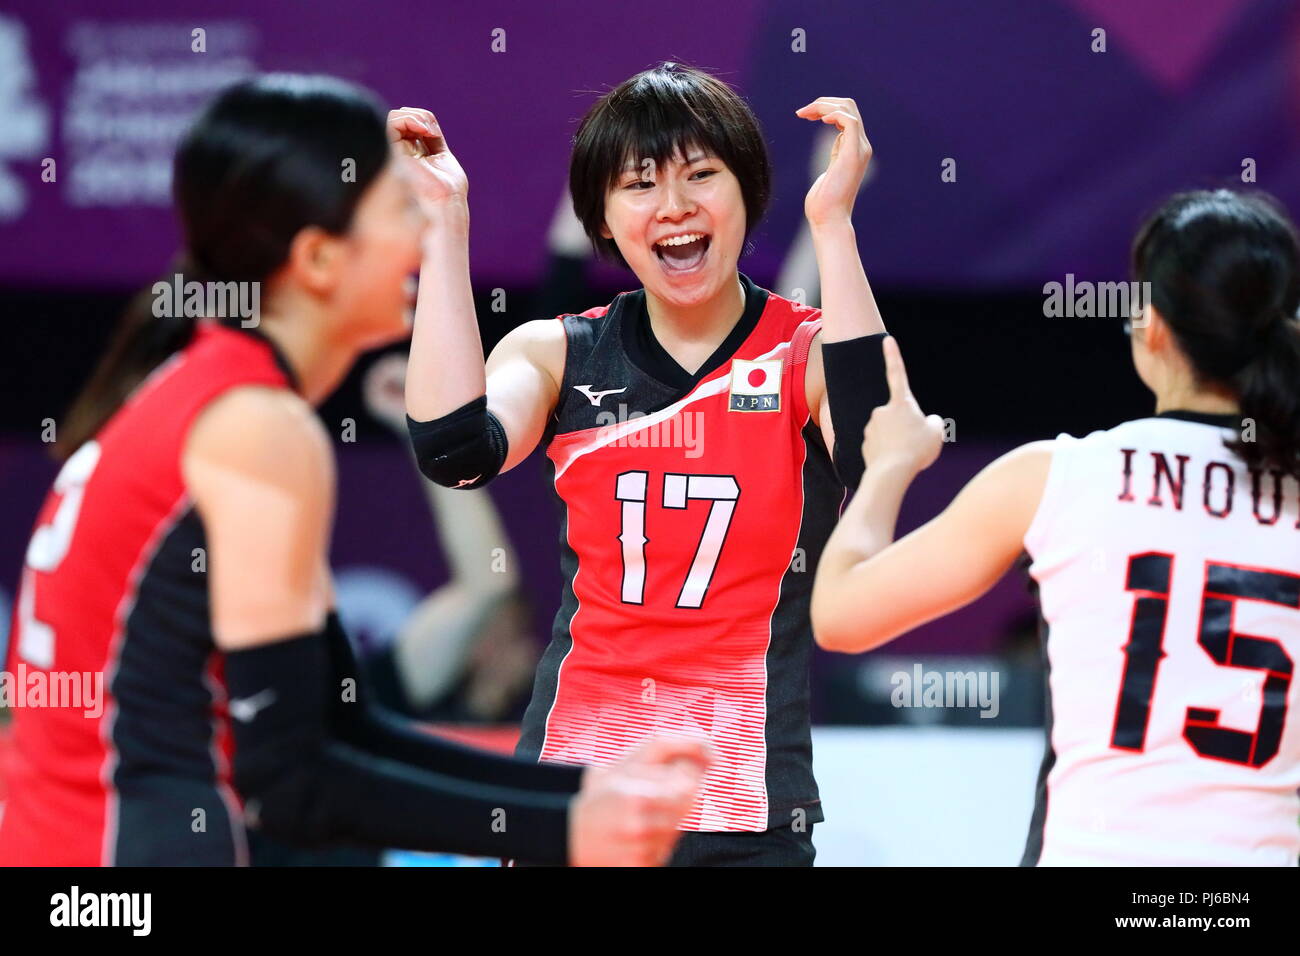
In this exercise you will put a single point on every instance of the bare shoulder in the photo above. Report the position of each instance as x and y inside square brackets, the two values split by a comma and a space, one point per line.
[1029, 461]
[270, 434]
[1017, 479]
[540, 342]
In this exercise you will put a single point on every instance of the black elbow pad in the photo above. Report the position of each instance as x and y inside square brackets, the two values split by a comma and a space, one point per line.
[279, 718]
[301, 780]
[463, 449]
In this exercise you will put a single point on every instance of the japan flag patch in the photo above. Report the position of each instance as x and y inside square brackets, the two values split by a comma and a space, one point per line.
[755, 386]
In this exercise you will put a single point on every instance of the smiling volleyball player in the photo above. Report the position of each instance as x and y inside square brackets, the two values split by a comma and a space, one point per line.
[687, 563]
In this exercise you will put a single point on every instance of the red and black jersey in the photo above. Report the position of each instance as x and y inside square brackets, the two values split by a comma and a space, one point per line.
[695, 509]
[115, 584]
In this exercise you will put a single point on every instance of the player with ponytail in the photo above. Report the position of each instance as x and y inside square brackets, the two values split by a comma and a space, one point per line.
[1165, 551]
[1223, 273]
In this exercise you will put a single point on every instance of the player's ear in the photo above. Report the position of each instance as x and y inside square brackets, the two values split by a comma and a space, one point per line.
[605, 232]
[1155, 334]
[315, 260]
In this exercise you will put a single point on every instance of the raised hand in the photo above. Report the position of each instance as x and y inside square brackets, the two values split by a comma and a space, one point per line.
[832, 194]
[432, 170]
[899, 433]
[627, 813]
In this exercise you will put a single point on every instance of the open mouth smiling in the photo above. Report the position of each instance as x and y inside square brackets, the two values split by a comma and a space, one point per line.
[684, 252]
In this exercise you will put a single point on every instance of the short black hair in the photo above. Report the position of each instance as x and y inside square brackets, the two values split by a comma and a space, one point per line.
[659, 114]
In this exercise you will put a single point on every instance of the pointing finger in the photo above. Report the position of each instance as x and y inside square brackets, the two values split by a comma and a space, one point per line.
[895, 371]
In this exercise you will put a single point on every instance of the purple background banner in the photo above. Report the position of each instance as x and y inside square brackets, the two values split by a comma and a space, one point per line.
[1059, 150]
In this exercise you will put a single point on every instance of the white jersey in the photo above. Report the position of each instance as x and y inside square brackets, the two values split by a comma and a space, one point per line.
[1169, 576]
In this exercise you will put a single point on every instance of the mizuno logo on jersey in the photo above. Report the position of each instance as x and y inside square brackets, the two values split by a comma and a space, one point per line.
[244, 709]
[595, 397]
[755, 386]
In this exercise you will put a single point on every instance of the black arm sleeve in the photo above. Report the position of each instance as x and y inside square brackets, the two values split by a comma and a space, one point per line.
[307, 779]
[463, 449]
[855, 386]
[375, 729]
